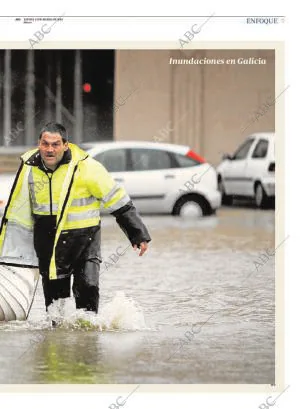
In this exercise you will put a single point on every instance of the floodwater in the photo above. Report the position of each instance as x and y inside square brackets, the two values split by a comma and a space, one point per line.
[197, 308]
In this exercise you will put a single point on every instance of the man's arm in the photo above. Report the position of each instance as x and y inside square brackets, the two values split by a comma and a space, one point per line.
[116, 200]
[132, 225]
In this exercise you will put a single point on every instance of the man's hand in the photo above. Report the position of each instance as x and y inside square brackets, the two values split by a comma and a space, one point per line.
[143, 247]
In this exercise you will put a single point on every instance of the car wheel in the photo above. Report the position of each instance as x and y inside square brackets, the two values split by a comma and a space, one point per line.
[226, 199]
[261, 198]
[192, 207]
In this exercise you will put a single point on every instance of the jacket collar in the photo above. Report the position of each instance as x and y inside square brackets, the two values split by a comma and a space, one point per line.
[36, 160]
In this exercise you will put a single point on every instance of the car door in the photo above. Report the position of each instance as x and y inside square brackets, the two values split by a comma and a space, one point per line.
[148, 179]
[115, 160]
[256, 164]
[234, 176]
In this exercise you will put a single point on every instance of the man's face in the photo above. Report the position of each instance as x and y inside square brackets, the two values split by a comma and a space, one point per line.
[52, 149]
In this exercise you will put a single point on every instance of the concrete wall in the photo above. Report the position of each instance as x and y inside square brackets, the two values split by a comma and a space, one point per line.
[210, 107]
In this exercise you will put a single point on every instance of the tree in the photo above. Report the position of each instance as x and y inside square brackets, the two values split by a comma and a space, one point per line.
[78, 98]
[7, 95]
[48, 107]
[58, 106]
[30, 100]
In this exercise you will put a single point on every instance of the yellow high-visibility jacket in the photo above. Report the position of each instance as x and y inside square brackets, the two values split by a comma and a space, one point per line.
[74, 193]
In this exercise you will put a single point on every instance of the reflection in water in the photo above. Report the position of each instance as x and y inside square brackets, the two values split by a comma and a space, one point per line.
[61, 360]
[195, 269]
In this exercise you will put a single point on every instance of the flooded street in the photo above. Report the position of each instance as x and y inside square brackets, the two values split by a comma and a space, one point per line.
[198, 307]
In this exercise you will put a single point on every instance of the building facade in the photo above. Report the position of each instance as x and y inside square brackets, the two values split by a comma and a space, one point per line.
[208, 99]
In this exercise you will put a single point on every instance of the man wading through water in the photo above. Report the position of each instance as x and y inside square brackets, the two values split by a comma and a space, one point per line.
[52, 218]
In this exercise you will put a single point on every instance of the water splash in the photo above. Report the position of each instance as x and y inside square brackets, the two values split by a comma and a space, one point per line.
[122, 313]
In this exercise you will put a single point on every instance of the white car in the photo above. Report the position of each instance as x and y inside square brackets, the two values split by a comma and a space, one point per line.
[6, 182]
[250, 171]
[160, 178]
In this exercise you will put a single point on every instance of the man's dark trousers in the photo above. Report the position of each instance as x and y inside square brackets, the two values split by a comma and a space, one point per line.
[81, 249]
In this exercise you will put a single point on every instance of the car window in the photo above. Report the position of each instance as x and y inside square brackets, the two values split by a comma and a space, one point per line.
[243, 150]
[150, 159]
[184, 161]
[113, 160]
[261, 149]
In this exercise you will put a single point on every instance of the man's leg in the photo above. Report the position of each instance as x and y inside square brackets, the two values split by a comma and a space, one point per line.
[55, 289]
[86, 285]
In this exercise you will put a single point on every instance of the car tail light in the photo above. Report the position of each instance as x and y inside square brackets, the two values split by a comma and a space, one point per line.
[271, 167]
[193, 155]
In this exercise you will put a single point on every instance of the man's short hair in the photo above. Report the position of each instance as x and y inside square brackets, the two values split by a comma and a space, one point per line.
[55, 127]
